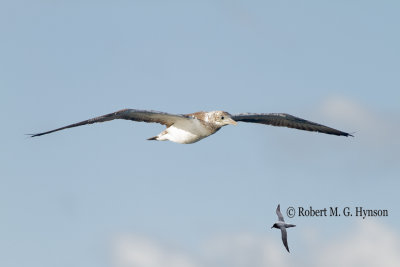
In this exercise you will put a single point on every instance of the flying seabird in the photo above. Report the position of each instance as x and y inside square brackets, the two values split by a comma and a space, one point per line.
[282, 226]
[190, 128]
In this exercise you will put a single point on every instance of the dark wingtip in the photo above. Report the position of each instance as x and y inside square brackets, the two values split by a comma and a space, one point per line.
[345, 134]
[32, 135]
[351, 134]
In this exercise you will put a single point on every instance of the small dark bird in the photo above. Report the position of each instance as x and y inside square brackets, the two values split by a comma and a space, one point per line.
[190, 128]
[282, 226]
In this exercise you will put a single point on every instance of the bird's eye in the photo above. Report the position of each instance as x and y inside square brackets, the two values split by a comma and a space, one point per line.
[222, 118]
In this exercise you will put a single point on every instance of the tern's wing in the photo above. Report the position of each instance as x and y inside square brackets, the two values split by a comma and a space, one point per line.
[278, 212]
[286, 120]
[128, 114]
[284, 238]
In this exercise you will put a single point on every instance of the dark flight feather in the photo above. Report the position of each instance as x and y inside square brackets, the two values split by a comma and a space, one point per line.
[286, 120]
[127, 114]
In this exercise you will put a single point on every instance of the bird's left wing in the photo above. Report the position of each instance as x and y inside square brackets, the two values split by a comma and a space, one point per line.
[284, 238]
[286, 120]
[128, 114]
[278, 212]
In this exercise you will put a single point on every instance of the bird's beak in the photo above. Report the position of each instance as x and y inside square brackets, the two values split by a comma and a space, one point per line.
[230, 121]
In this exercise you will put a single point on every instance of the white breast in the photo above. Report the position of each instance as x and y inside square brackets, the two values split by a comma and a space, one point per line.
[186, 132]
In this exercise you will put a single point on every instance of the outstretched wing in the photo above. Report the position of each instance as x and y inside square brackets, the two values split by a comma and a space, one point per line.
[278, 212]
[284, 238]
[286, 120]
[128, 114]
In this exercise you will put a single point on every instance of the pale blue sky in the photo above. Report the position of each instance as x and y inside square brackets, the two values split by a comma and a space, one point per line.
[66, 196]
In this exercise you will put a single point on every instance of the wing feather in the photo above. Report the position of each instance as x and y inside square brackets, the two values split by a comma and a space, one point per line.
[284, 238]
[286, 120]
[278, 212]
[127, 114]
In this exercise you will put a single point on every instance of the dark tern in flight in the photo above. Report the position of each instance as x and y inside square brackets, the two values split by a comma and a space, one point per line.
[282, 226]
[190, 128]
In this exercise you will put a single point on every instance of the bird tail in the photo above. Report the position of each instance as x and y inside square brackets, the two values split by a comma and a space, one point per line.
[290, 225]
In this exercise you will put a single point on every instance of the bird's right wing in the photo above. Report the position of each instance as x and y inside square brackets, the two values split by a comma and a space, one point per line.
[278, 212]
[284, 238]
[286, 120]
[127, 114]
